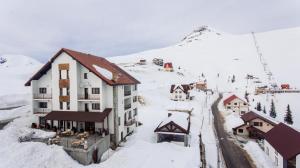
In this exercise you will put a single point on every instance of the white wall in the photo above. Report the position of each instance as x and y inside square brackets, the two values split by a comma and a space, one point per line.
[239, 107]
[272, 154]
[298, 161]
[63, 59]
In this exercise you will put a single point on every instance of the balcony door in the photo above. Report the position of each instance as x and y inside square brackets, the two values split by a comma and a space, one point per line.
[86, 94]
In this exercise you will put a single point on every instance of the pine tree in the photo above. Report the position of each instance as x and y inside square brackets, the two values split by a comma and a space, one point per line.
[264, 110]
[273, 111]
[258, 107]
[288, 118]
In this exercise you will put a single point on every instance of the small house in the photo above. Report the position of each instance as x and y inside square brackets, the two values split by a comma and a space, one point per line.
[255, 126]
[285, 86]
[201, 86]
[168, 67]
[282, 145]
[180, 92]
[175, 128]
[236, 104]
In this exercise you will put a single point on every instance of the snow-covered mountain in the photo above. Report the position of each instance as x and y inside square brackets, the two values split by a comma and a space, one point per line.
[14, 72]
[217, 55]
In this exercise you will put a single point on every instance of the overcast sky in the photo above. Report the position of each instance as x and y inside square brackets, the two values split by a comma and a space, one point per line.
[117, 27]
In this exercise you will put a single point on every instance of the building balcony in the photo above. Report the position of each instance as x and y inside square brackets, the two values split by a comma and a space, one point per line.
[127, 92]
[64, 83]
[130, 122]
[41, 110]
[89, 97]
[42, 96]
[64, 98]
[127, 106]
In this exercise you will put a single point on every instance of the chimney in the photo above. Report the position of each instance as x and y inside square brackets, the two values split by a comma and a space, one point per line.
[169, 114]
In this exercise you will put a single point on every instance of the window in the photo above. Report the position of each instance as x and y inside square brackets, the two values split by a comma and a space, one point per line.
[85, 75]
[180, 91]
[43, 104]
[134, 98]
[135, 112]
[245, 104]
[43, 90]
[276, 161]
[228, 107]
[68, 105]
[96, 106]
[119, 121]
[229, 103]
[95, 90]
[240, 130]
[60, 91]
[67, 74]
[61, 105]
[129, 115]
[257, 124]
[42, 121]
[235, 103]
[135, 87]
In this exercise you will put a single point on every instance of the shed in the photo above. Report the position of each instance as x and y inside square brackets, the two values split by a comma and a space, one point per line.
[176, 127]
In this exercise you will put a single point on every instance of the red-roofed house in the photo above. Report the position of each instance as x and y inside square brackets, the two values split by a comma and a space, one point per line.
[255, 126]
[168, 66]
[84, 92]
[180, 92]
[282, 145]
[236, 104]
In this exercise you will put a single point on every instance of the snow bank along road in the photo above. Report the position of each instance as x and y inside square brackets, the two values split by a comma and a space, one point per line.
[234, 156]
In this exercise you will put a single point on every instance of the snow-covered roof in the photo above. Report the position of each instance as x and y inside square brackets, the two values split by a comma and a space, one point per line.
[180, 121]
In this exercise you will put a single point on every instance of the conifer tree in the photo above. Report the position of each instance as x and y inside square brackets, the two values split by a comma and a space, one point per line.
[264, 110]
[288, 118]
[258, 107]
[272, 110]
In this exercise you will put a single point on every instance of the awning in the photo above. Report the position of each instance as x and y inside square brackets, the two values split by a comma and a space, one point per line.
[78, 116]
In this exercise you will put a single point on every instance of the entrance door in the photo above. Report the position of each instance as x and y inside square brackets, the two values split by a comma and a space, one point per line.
[86, 94]
[86, 107]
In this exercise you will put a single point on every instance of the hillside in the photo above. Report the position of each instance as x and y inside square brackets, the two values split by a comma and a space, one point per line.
[14, 73]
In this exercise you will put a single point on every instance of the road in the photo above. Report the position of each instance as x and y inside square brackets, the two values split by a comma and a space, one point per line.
[234, 156]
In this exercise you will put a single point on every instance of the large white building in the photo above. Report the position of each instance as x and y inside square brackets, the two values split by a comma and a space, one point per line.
[282, 145]
[83, 92]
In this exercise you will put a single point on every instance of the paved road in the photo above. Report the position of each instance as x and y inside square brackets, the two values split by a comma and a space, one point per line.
[234, 156]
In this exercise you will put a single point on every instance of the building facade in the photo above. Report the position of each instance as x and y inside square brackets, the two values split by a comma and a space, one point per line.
[236, 105]
[83, 92]
[255, 126]
[180, 92]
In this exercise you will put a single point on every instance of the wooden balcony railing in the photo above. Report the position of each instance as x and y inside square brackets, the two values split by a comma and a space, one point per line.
[64, 98]
[64, 83]
[42, 96]
[63, 66]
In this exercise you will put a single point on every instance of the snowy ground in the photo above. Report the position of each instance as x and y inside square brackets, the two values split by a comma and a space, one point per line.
[217, 56]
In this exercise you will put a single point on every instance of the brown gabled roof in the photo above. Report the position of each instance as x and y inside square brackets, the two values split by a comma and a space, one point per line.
[185, 88]
[229, 99]
[285, 140]
[78, 116]
[252, 115]
[88, 61]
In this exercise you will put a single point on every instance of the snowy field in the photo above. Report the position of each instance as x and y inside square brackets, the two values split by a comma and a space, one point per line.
[219, 56]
